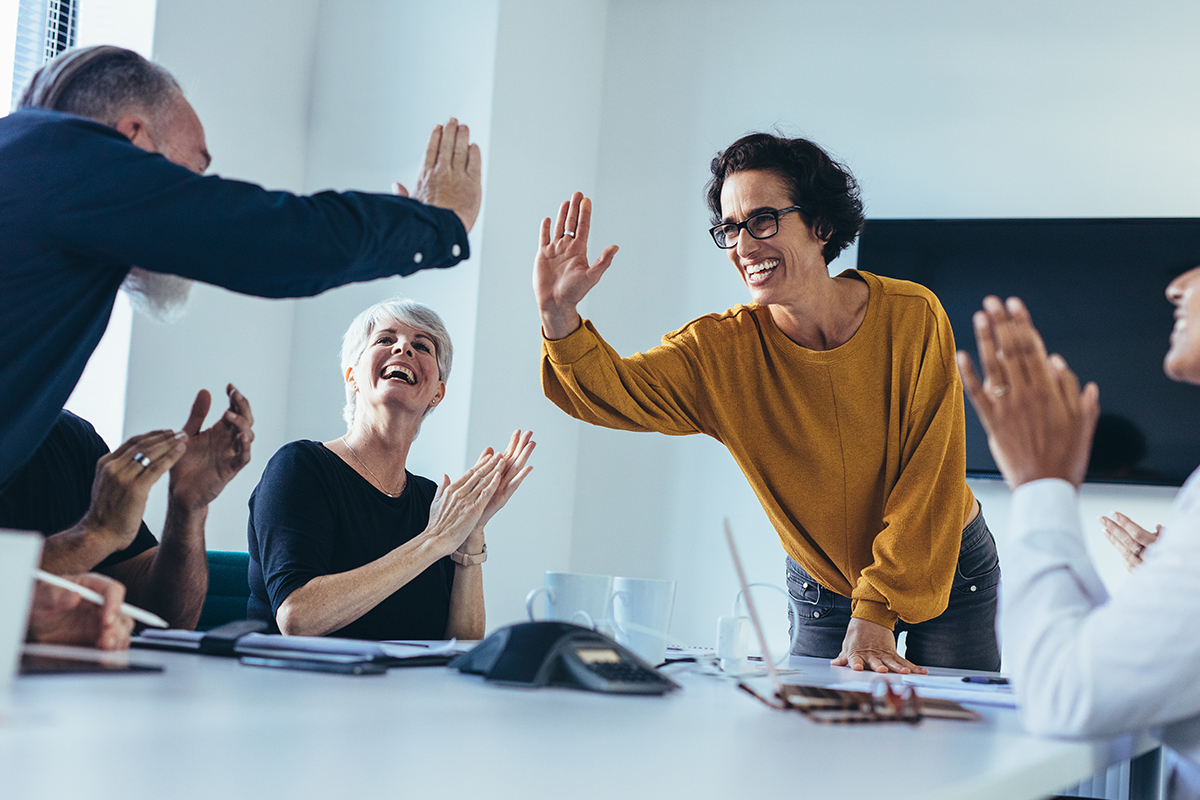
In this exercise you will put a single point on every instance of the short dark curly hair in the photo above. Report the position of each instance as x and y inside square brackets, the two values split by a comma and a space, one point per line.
[823, 188]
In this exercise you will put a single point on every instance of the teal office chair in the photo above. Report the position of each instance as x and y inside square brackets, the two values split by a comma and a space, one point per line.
[228, 589]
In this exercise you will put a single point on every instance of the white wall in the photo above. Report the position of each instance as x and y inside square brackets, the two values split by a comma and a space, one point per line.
[941, 108]
[545, 128]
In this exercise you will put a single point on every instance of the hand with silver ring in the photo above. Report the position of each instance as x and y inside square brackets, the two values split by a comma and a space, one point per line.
[122, 484]
[1046, 430]
[562, 274]
[1130, 539]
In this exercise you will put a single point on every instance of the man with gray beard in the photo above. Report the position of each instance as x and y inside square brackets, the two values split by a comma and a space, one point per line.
[101, 170]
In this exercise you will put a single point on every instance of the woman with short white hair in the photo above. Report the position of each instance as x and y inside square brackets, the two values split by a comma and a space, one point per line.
[342, 538]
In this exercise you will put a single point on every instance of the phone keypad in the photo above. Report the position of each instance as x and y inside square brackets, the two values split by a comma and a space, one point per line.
[624, 673]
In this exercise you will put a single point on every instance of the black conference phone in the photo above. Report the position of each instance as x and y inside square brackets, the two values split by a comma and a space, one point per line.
[561, 654]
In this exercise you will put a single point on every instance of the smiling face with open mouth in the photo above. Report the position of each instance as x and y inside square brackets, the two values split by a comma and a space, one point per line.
[397, 369]
[1182, 362]
[775, 268]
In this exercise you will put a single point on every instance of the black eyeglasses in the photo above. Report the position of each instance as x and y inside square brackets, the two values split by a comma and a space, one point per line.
[762, 225]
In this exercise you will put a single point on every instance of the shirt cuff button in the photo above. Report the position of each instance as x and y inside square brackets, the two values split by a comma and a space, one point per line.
[455, 250]
[418, 258]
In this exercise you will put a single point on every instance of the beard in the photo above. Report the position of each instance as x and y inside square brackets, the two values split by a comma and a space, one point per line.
[160, 296]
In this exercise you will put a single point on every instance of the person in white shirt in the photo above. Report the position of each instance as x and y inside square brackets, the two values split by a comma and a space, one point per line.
[1085, 663]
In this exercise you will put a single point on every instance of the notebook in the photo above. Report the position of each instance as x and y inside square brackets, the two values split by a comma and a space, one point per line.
[822, 704]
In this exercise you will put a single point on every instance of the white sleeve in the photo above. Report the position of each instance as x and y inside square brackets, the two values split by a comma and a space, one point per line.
[1085, 665]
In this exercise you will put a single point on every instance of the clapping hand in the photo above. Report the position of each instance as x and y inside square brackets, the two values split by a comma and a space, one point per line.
[508, 470]
[452, 175]
[1038, 422]
[562, 275]
[214, 455]
[520, 447]
[123, 481]
[457, 507]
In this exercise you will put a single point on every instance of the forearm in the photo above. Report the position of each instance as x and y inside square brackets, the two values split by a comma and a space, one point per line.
[77, 549]
[172, 579]
[330, 602]
[1051, 600]
[467, 615]
[240, 236]
[653, 391]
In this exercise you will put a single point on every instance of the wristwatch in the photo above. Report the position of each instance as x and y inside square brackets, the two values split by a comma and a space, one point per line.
[469, 560]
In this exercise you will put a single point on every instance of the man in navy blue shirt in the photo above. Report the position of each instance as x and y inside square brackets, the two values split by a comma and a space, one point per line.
[101, 170]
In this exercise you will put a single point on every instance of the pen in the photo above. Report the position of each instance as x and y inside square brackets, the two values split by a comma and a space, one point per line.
[986, 679]
[140, 614]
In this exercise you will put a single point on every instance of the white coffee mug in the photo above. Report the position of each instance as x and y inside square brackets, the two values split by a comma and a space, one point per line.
[641, 615]
[19, 551]
[575, 597]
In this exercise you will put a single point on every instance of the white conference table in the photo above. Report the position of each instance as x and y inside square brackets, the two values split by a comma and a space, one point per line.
[209, 727]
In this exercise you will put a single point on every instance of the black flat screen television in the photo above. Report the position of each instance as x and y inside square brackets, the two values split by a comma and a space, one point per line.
[1095, 289]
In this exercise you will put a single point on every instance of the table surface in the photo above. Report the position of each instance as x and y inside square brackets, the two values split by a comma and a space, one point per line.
[211, 727]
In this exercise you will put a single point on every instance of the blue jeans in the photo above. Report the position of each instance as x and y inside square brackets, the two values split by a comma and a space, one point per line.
[963, 636]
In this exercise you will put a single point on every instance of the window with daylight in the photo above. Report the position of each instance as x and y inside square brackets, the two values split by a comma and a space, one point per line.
[45, 28]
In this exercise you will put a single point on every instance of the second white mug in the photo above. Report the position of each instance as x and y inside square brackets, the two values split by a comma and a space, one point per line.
[641, 614]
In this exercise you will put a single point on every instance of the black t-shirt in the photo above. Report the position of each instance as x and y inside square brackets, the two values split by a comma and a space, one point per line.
[53, 489]
[312, 515]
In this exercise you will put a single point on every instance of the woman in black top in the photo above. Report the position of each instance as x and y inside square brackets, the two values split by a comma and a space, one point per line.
[342, 538]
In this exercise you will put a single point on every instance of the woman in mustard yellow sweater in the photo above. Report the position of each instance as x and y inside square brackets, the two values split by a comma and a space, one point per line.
[837, 396]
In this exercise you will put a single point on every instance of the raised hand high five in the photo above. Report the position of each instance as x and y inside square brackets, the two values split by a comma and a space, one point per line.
[452, 174]
[562, 275]
[214, 455]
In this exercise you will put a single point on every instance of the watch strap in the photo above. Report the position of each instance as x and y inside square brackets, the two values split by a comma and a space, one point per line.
[469, 560]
